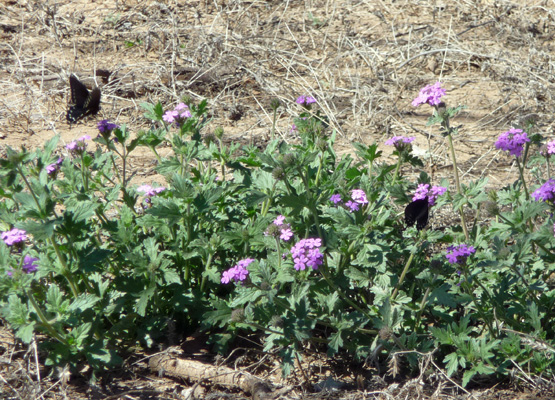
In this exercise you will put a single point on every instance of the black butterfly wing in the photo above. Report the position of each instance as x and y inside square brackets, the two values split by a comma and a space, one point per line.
[83, 102]
[417, 211]
[92, 105]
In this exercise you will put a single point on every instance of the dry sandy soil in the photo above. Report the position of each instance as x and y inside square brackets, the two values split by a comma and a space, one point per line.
[364, 60]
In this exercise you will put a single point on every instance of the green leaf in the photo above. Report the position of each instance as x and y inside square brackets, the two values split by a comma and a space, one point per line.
[40, 230]
[55, 301]
[153, 112]
[25, 332]
[142, 303]
[83, 302]
[80, 334]
[91, 259]
[452, 361]
[171, 276]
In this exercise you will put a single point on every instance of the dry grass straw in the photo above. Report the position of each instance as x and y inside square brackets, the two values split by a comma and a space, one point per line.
[364, 62]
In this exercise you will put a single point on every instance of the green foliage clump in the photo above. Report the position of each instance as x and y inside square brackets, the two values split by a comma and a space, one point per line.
[292, 242]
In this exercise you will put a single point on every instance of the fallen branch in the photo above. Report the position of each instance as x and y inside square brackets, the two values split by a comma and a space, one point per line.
[197, 372]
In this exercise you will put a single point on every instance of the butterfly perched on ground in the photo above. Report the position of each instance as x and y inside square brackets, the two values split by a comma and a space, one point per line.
[83, 101]
[417, 211]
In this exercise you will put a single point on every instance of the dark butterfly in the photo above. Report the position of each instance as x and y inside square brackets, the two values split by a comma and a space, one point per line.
[417, 211]
[83, 102]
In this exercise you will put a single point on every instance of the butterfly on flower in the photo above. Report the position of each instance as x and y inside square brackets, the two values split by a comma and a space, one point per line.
[83, 101]
[417, 211]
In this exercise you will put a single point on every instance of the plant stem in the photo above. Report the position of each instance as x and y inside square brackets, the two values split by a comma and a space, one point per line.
[402, 277]
[457, 184]
[43, 319]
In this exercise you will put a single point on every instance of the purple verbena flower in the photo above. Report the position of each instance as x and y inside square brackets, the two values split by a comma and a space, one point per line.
[105, 126]
[423, 190]
[54, 167]
[335, 198]
[512, 141]
[183, 110]
[306, 253]
[352, 206]
[458, 254]
[227, 275]
[279, 229]
[13, 236]
[358, 196]
[29, 265]
[399, 139]
[150, 191]
[170, 116]
[430, 94]
[550, 147]
[78, 146]
[178, 115]
[545, 192]
[238, 272]
[286, 234]
[305, 100]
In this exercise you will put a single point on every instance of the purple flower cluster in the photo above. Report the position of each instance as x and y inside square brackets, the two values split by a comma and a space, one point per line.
[106, 127]
[150, 191]
[430, 94]
[306, 253]
[336, 198]
[550, 147]
[305, 100]
[78, 146]
[54, 167]
[358, 198]
[28, 266]
[399, 140]
[459, 253]
[545, 192]
[178, 115]
[13, 236]
[285, 229]
[237, 273]
[423, 190]
[512, 141]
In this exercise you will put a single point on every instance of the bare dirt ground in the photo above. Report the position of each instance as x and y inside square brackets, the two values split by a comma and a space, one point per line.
[364, 60]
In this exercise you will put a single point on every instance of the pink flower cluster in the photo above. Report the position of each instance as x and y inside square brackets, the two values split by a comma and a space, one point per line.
[54, 167]
[178, 115]
[306, 253]
[150, 191]
[430, 94]
[399, 140]
[285, 231]
[13, 236]
[423, 190]
[358, 198]
[238, 272]
[305, 100]
[78, 146]
[549, 148]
